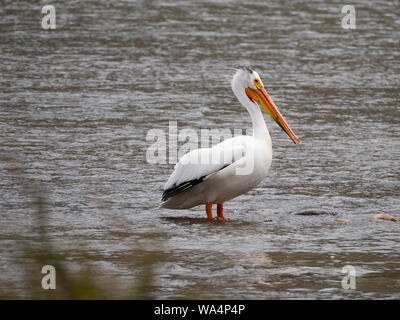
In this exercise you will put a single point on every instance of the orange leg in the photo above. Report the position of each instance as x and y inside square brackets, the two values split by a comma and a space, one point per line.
[220, 213]
[209, 210]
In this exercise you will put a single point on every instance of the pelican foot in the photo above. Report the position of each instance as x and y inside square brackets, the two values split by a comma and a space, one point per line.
[223, 219]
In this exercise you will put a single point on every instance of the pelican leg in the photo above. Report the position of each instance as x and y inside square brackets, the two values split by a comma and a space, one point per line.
[209, 210]
[220, 213]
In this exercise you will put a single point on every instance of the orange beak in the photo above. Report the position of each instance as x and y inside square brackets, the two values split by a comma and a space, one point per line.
[264, 100]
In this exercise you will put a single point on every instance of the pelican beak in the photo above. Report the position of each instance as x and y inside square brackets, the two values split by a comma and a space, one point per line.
[264, 100]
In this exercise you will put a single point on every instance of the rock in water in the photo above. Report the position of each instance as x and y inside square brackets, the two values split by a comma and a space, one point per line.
[384, 216]
[315, 213]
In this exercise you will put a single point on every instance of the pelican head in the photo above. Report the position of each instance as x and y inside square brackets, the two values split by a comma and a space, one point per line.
[249, 88]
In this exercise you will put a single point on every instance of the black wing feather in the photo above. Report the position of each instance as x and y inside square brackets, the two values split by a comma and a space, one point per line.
[169, 193]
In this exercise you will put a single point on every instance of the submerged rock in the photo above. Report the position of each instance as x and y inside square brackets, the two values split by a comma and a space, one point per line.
[383, 216]
[315, 213]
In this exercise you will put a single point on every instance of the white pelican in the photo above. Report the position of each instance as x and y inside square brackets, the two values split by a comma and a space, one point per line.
[246, 159]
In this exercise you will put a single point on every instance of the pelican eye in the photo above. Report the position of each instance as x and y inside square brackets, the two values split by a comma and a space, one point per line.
[257, 83]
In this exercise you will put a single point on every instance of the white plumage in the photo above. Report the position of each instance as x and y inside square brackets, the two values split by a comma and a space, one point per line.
[232, 167]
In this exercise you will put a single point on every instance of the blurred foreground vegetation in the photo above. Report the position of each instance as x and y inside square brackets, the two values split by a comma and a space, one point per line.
[88, 282]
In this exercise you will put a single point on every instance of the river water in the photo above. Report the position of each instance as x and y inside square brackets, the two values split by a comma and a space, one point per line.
[76, 106]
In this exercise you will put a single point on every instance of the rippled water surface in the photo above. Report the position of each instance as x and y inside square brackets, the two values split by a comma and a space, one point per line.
[77, 103]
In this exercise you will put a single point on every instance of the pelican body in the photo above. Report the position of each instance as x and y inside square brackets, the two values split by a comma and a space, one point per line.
[233, 167]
